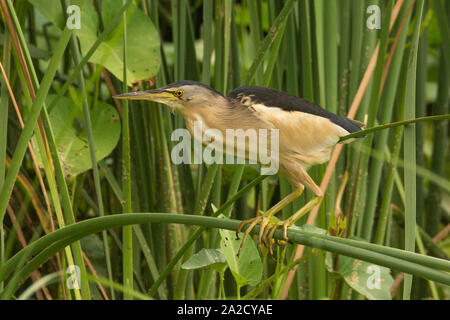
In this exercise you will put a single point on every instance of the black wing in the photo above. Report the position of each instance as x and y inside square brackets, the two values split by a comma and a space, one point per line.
[276, 98]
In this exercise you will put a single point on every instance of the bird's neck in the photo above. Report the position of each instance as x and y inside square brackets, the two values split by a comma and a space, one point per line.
[209, 115]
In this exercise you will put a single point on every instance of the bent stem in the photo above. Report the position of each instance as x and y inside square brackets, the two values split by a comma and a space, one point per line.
[45, 247]
[393, 125]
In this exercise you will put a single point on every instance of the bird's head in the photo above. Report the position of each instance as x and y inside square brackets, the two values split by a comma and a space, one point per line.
[184, 96]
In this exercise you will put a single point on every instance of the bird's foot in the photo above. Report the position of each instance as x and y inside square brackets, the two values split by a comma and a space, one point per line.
[268, 227]
[265, 219]
[267, 223]
[262, 219]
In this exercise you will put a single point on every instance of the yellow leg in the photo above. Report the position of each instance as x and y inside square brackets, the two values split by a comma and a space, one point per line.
[298, 176]
[264, 219]
[288, 222]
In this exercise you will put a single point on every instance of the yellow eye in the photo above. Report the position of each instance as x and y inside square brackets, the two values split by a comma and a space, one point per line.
[179, 92]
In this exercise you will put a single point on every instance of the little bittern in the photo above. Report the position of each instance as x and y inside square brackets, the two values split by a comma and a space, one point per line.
[307, 133]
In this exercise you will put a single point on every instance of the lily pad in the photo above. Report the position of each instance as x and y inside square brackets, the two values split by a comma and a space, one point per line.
[70, 135]
[143, 42]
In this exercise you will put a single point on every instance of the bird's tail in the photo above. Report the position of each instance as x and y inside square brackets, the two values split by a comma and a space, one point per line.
[360, 124]
[354, 126]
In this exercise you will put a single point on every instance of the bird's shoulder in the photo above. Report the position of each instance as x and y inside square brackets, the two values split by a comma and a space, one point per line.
[269, 97]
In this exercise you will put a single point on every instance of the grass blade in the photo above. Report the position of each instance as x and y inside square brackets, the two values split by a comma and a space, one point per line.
[410, 147]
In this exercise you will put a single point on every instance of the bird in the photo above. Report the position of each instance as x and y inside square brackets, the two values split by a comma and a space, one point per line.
[307, 134]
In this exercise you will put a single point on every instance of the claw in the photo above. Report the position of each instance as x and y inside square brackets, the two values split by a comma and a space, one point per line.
[272, 230]
[265, 240]
[262, 228]
[253, 222]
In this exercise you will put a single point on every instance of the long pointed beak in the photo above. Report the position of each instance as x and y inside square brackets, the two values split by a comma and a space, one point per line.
[157, 95]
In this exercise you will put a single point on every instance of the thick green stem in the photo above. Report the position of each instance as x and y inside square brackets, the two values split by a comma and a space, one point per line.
[397, 259]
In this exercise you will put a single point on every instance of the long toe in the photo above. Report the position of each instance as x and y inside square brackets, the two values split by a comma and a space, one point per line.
[262, 230]
[253, 222]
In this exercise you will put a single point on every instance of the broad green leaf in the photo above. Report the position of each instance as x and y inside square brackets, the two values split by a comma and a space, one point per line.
[247, 268]
[52, 10]
[206, 258]
[370, 280]
[143, 41]
[68, 127]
